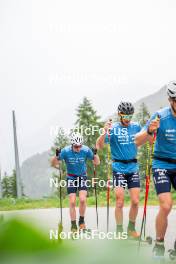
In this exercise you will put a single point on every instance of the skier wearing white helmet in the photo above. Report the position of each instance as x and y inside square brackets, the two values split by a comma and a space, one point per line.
[171, 89]
[76, 139]
[163, 125]
[75, 157]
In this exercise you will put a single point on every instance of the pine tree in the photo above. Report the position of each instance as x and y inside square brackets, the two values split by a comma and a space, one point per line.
[5, 185]
[87, 118]
[13, 185]
[9, 188]
[60, 141]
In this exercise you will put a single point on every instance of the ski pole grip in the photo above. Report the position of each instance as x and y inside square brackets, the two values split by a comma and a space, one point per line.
[58, 151]
[94, 150]
[155, 132]
[158, 117]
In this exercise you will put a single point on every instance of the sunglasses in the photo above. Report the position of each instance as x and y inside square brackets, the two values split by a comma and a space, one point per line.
[127, 117]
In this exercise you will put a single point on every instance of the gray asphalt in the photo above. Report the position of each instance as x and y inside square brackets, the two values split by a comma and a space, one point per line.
[47, 219]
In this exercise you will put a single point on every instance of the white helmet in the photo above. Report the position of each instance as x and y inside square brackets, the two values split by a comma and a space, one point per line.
[76, 139]
[171, 89]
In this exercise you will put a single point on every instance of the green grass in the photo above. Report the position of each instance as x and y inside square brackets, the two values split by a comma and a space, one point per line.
[27, 203]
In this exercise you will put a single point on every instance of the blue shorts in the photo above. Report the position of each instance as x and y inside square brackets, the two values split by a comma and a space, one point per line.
[164, 179]
[76, 184]
[126, 180]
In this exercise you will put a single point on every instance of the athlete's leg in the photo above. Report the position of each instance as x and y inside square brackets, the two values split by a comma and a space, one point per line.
[165, 206]
[119, 187]
[82, 202]
[71, 190]
[134, 191]
[134, 196]
[72, 203]
[119, 194]
[162, 181]
[82, 208]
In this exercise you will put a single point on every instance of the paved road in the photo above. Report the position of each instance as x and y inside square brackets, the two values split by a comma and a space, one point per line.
[48, 219]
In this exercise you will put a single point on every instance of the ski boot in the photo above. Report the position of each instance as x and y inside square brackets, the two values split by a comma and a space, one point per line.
[158, 252]
[74, 231]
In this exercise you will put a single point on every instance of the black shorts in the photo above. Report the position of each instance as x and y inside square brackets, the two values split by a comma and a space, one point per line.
[126, 180]
[164, 179]
[77, 184]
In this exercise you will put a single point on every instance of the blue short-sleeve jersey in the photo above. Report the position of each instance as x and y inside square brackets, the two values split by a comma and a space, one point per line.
[123, 146]
[76, 161]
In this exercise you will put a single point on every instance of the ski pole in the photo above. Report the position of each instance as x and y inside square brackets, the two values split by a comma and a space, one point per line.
[147, 185]
[150, 151]
[108, 177]
[60, 226]
[96, 196]
[94, 150]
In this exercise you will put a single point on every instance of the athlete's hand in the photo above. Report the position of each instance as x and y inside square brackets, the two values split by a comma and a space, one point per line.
[108, 125]
[54, 162]
[154, 125]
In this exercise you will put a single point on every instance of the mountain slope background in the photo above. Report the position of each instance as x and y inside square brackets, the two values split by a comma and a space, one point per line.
[154, 101]
[36, 173]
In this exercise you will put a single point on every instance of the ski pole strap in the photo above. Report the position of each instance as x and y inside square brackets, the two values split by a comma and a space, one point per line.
[125, 161]
[165, 159]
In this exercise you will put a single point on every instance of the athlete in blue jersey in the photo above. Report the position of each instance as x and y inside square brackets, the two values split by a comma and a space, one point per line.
[163, 122]
[125, 168]
[75, 157]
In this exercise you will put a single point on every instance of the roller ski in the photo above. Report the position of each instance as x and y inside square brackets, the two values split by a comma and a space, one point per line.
[172, 253]
[83, 229]
[74, 230]
[135, 236]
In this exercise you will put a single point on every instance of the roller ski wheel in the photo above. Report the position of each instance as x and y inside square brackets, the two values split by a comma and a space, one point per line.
[148, 240]
[172, 252]
[83, 229]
